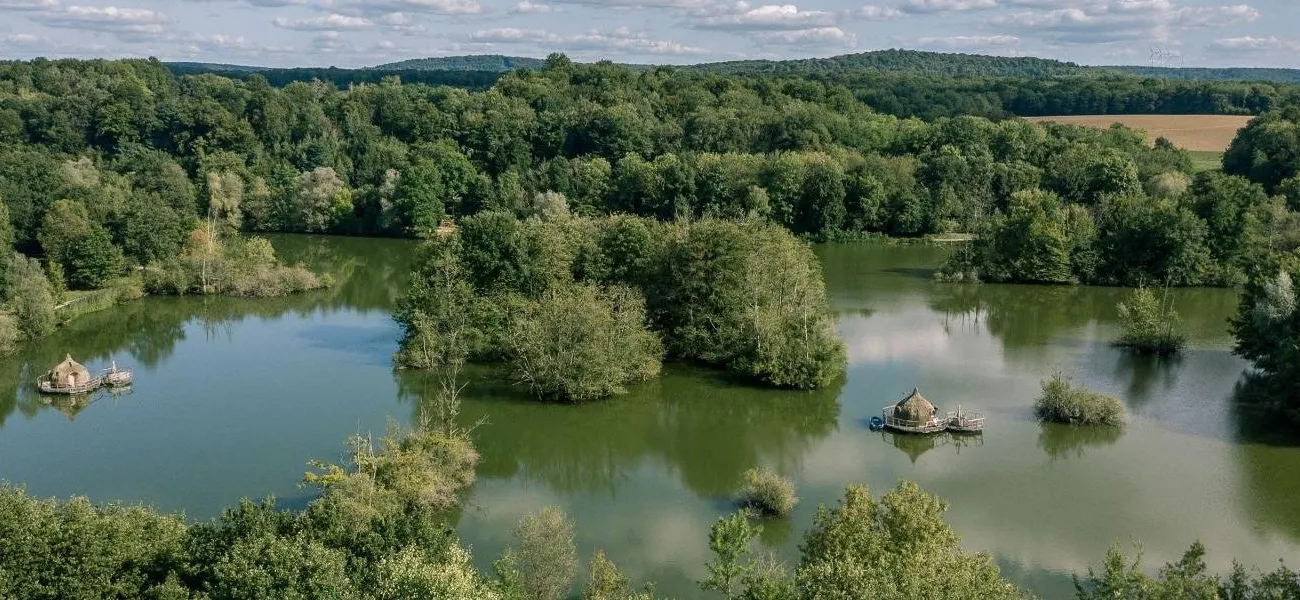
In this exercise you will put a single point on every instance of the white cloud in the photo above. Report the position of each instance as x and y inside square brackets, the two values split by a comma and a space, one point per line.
[28, 4]
[436, 7]
[1216, 16]
[940, 6]
[1249, 44]
[702, 4]
[771, 17]
[621, 40]
[528, 6]
[969, 41]
[130, 24]
[1108, 21]
[820, 36]
[877, 13]
[331, 22]
[25, 39]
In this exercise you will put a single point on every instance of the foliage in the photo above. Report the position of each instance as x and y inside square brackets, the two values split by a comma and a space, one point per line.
[580, 342]
[1063, 403]
[1122, 579]
[807, 145]
[561, 299]
[30, 297]
[895, 548]
[768, 493]
[1150, 323]
[212, 263]
[412, 574]
[544, 554]
[1267, 332]
[604, 580]
[730, 540]
[10, 336]
[84, 248]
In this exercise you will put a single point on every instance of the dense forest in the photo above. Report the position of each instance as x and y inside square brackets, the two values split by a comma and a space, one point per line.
[122, 157]
[903, 83]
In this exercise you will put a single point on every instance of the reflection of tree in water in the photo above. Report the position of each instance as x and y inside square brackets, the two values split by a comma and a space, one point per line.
[1268, 451]
[1061, 441]
[368, 274]
[705, 430]
[1024, 317]
[1143, 372]
[915, 445]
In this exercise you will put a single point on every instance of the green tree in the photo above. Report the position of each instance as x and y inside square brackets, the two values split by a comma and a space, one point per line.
[30, 298]
[1267, 332]
[730, 540]
[1150, 323]
[545, 554]
[579, 342]
[897, 548]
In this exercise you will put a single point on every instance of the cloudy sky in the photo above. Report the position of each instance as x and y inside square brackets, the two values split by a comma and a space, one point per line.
[350, 33]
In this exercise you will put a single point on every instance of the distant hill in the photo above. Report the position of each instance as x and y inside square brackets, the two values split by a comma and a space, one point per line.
[494, 63]
[183, 68]
[1212, 74]
[902, 61]
[910, 61]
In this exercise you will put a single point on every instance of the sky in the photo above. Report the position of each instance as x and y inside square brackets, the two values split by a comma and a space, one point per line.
[353, 33]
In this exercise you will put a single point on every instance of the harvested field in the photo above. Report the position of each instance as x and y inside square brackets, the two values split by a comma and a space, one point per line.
[1205, 133]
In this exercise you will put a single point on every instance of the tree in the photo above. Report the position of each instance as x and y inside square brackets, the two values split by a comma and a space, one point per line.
[1267, 332]
[545, 554]
[85, 248]
[1150, 323]
[604, 580]
[6, 247]
[1031, 244]
[225, 193]
[29, 297]
[579, 342]
[897, 548]
[730, 541]
[322, 199]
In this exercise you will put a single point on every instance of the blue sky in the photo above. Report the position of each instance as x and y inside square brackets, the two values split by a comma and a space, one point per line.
[349, 33]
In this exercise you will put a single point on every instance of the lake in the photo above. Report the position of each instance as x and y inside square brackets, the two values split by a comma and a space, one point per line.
[232, 397]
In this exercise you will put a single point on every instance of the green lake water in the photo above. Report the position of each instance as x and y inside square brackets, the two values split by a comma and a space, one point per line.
[234, 396]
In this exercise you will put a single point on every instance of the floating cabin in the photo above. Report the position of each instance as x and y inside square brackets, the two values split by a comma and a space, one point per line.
[71, 377]
[915, 414]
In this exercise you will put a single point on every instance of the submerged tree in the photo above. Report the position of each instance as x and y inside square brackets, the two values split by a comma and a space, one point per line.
[1150, 323]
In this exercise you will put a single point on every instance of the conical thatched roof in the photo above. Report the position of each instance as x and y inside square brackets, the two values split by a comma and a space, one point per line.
[914, 407]
[69, 371]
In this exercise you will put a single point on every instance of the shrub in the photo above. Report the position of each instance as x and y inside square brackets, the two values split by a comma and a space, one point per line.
[768, 493]
[30, 297]
[10, 337]
[1149, 324]
[580, 342]
[1062, 403]
[544, 554]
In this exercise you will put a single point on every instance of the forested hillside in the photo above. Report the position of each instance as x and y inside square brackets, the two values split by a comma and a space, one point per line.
[131, 144]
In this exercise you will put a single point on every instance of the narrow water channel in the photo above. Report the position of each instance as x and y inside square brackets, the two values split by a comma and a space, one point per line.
[234, 396]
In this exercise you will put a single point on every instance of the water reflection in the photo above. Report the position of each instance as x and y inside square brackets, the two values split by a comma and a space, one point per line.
[368, 275]
[1062, 441]
[914, 445]
[1147, 375]
[691, 421]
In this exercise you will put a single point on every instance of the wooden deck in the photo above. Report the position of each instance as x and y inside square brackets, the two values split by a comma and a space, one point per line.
[958, 422]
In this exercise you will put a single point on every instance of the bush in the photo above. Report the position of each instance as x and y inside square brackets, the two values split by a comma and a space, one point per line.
[1062, 403]
[231, 266]
[1149, 324]
[767, 493]
[581, 342]
[30, 298]
[544, 554]
[10, 337]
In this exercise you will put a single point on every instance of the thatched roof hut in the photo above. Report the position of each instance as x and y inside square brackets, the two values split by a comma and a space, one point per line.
[915, 408]
[69, 373]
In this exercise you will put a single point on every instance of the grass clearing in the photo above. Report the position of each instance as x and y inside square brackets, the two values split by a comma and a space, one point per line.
[1198, 133]
[1204, 160]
